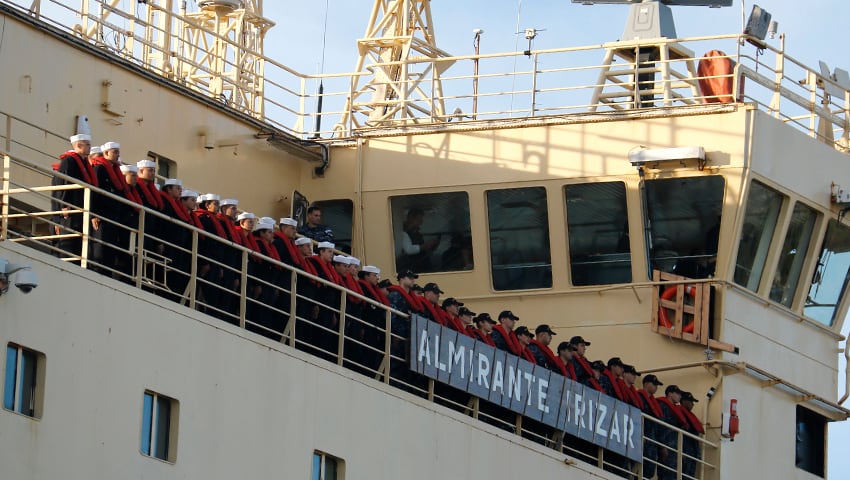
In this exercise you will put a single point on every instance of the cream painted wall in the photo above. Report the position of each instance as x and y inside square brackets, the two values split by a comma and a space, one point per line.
[249, 408]
[50, 95]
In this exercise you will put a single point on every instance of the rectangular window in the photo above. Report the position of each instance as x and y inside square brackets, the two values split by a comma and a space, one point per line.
[793, 254]
[165, 167]
[159, 426]
[598, 229]
[431, 232]
[519, 238]
[23, 381]
[760, 217]
[326, 467]
[810, 442]
[683, 216]
[339, 215]
[831, 276]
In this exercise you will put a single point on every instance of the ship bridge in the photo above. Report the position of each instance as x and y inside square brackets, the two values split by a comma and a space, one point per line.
[686, 214]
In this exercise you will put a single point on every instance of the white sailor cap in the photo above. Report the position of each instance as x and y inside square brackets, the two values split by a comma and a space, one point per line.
[173, 181]
[289, 221]
[95, 149]
[302, 241]
[80, 137]
[213, 197]
[202, 198]
[267, 220]
[146, 164]
[340, 259]
[229, 201]
[110, 145]
[129, 168]
[372, 269]
[264, 224]
[189, 193]
[353, 261]
[245, 216]
[326, 245]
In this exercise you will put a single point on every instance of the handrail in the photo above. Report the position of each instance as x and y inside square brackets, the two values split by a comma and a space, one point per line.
[277, 94]
[386, 360]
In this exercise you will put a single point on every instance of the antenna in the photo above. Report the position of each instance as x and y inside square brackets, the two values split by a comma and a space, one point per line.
[653, 18]
[530, 34]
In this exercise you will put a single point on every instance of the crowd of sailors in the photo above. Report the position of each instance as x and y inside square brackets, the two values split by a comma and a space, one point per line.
[219, 268]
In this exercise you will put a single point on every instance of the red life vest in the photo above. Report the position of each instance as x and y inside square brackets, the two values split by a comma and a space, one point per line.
[308, 266]
[179, 209]
[151, 194]
[634, 397]
[510, 338]
[551, 359]
[437, 314]
[654, 407]
[354, 286]
[692, 420]
[571, 371]
[674, 409]
[415, 306]
[116, 177]
[267, 248]
[249, 242]
[326, 270]
[234, 233]
[479, 335]
[294, 254]
[526, 354]
[454, 322]
[219, 229]
[85, 167]
[621, 395]
[373, 293]
[587, 368]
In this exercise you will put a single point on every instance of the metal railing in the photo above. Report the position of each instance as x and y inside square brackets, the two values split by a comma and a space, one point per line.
[611, 78]
[290, 306]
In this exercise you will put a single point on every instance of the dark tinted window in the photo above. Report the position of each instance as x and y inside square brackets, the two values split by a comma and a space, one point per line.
[339, 215]
[518, 222]
[810, 442]
[831, 275]
[431, 232]
[763, 206]
[598, 230]
[793, 254]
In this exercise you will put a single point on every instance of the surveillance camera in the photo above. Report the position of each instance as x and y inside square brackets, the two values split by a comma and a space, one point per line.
[26, 281]
[711, 392]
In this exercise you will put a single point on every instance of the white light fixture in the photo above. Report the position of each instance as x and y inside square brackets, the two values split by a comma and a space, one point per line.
[26, 280]
[650, 155]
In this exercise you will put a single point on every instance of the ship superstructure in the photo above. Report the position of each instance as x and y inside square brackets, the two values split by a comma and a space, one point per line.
[681, 209]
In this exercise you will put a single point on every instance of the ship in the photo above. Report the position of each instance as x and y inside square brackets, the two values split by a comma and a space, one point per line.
[677, 203]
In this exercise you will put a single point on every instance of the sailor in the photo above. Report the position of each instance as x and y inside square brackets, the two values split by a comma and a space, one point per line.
[374, 316]
[269, 324]
[584, 372]
[230, 209]
[630, 375]
[671, 414]
[131, 216]
[313, 227]
[328, 299]
[565, 356]
[691, 450]
[288, 252]
[613, 375]
[503, 335]
[402, 299]
[484, 328]
[597, 368]
[451, 309]
[212, 273]
[306, 306]
[384, 285]
[650, 406]
[524, 336]
[465, 316]
[73, 163]
[95, 154]
[112, 238]
[431, 293]
[543, 355]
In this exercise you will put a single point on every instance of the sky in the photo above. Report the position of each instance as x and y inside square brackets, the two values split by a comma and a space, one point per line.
[812, 29]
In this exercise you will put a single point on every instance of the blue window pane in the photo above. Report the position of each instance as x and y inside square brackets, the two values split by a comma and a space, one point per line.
[162, 426]
[147, 418]
[10, 380]
[26, 394]
[330, 469]
[317, 466]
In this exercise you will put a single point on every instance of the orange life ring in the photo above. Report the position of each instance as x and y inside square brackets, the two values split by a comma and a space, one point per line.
[667, 294]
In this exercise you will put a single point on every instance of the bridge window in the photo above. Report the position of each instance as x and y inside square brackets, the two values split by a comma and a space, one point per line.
[793, 254]
[810, 442]
[762, 213]
[431, 232]
[598, 229]
[339, 215]
[159, 426]
[519, 238]
[832, 275]
[326, 467]
[23, 385]
[683, 217]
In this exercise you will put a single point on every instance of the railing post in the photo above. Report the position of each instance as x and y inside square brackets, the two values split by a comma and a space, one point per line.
[84, 251]
[243, 289]
[140, 248]
[679, 459]
[387, 345]
[7, 173]
[341, 345]
[534, 87]
[193, 272]
[293, 313]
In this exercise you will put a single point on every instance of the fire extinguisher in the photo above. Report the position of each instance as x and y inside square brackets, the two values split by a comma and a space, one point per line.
[730, 426]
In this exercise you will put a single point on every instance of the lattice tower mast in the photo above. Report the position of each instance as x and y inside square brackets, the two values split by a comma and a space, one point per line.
[399, 31]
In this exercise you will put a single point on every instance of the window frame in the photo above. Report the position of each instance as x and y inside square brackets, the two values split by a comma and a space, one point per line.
[801, 289]
[38, 378]
[324, 458]
[150, 429]
[768, 267]
[809, 417]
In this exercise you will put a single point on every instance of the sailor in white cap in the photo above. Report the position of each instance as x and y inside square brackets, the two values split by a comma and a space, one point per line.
[305, 246]
[229, 208]
[190, 199]
[73, 163]
[353, 266]
[283, 239]
[131, 174]
[95, 152]
[340, 263]
[246, 221]
[148, 188]
[265, 320]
